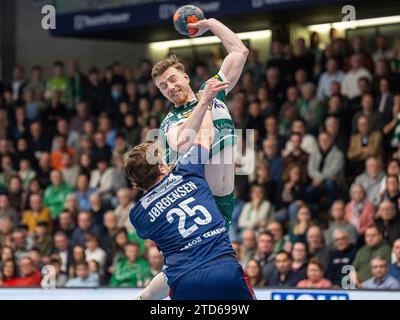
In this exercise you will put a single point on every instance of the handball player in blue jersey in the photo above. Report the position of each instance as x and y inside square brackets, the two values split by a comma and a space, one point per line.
[178, 212]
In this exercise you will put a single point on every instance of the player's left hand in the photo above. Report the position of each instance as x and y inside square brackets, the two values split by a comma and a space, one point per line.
[203, 26]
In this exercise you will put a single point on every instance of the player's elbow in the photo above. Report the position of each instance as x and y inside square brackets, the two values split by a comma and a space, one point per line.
[243, 53]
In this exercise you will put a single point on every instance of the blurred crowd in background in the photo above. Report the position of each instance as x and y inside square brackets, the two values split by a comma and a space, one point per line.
[324, 193]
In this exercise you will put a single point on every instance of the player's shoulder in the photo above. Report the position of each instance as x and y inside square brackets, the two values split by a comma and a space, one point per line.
[219, 76]
[135, 212]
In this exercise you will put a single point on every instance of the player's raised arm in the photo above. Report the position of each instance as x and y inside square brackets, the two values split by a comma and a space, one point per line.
[234, 62]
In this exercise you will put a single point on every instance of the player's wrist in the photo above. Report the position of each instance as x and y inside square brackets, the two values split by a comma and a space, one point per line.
[210, 23]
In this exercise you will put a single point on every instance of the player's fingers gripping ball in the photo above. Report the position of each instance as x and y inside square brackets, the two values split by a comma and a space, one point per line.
[187, 14]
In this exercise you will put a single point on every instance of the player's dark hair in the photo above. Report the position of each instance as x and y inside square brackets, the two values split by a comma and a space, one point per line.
[138, 169]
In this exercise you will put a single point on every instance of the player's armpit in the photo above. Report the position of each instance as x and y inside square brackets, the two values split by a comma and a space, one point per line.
[157, 289]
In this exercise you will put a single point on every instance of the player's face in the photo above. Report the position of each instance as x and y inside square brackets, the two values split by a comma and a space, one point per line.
[174, 85]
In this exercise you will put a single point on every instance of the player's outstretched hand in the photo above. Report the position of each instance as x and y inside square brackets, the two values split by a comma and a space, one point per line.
[203, 26]
[211, 90]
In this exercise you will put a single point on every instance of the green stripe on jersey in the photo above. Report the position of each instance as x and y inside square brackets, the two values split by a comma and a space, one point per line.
[224, 127]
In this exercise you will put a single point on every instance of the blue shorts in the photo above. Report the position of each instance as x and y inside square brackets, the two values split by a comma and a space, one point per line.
[219, 279]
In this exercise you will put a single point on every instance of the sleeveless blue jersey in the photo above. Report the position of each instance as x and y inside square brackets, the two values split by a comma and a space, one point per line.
[180, 215]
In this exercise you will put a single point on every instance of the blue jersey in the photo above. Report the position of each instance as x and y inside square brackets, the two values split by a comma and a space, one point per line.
[180, 215]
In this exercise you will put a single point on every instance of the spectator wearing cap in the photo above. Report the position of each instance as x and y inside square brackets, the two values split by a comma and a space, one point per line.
[341, 255]
[56, 194]
[374, 246]
[394, 268]
[388, 221]
[381, 278]
[339, 221]
[315, 276]
[36, 213]
[83, 279]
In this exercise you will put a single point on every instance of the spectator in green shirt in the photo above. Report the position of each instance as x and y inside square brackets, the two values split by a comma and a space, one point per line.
[131, 271]
[58, 82]
[56, 193]
[374, 247]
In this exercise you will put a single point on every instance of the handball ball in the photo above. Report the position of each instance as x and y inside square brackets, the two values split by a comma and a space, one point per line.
[187, 14]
